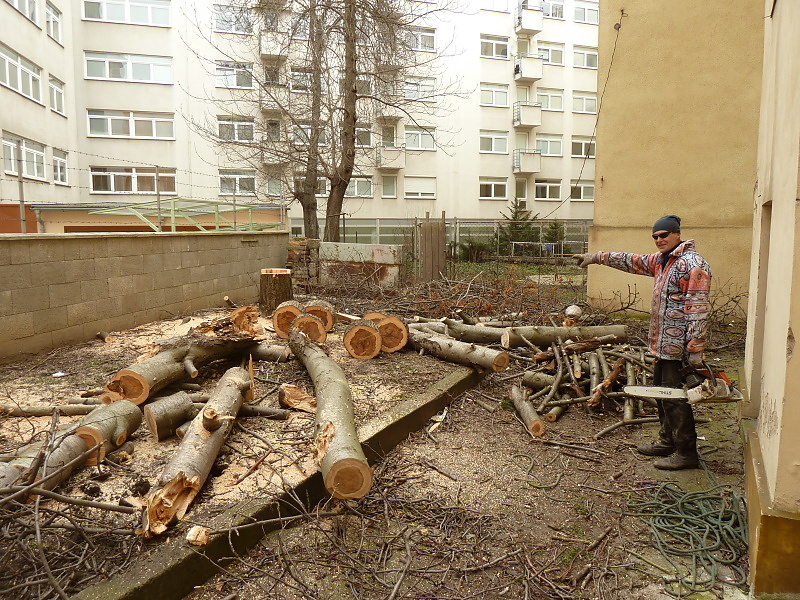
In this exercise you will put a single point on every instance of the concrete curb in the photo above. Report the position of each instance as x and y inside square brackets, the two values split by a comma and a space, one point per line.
[174, 569]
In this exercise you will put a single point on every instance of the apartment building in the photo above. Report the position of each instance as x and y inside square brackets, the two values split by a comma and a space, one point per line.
[120, 107]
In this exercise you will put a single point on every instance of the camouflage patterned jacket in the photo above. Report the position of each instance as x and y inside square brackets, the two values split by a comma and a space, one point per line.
[680, 297]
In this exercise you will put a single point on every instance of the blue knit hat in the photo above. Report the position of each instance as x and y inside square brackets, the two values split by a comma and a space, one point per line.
[669, 223]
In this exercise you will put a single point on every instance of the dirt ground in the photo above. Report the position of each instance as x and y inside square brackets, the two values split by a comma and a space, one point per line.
[471, 507]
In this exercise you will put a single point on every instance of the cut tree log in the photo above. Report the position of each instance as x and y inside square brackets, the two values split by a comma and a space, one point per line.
[394, 334]
[544, 336]
[142, 380]
[323, 310]
[605, 385]
[459, 352]
[65, 449]
[165, 415]
[110, 426]
[374, 316]
[533, 423]
[473, 333]
[275, 287]
[270, 352]
[362, 339]
[44, 411]
[431, 326]
[189, 467]
[312, 326]
[344, 467]
[283, 316]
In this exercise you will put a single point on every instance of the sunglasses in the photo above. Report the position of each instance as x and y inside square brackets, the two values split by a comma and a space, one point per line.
[662, 235]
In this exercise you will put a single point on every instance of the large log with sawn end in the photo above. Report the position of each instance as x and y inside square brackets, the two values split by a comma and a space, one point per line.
[110, 426]
[531, 419]
[394, 334]
[459, 352]
[344, 467]
[323, 310]
[544, 336]
[284, 315]
[189, 467]
[362, 339]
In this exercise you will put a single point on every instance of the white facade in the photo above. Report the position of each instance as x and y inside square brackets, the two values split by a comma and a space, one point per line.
[138, 77]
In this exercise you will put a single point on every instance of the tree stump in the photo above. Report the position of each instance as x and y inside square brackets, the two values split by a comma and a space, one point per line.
[109, 426]
[275, 287]
[394, 334]
[362, 339]
[323, 310]
[283, 316]
[311, 326]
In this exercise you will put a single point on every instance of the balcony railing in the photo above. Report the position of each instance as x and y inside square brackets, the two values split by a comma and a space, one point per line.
[390, 158]
[527, 115]
[274, 45]
[528, 68]
[529, 18]
[527, 161]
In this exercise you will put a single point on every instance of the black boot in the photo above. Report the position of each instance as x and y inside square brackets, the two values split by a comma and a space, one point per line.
[677, 461]
[658, 448]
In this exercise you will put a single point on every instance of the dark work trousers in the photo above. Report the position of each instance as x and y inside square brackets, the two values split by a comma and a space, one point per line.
[675, 416]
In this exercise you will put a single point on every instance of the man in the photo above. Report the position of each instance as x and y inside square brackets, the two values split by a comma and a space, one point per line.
[677, 330]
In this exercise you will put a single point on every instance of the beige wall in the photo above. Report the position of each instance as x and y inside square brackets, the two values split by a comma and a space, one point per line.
[59, 289]
[677, 132]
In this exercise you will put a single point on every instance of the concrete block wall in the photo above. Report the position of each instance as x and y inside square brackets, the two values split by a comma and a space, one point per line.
[58, 289]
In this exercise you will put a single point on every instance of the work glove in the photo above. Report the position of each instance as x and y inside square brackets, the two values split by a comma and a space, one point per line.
[582, 260]
[696, 360]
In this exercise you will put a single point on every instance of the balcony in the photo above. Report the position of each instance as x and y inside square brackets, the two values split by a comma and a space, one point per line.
[275, 153]
[527, 161]
[274, 45]
[528, 68]
[390, 158]
[274, 99]
[527, 115]
[529, 18]
[389, 110]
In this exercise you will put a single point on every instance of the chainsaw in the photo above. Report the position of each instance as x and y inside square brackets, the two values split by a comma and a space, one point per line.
[699, 387]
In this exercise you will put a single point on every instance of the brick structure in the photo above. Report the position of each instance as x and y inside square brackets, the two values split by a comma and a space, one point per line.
[303, 260]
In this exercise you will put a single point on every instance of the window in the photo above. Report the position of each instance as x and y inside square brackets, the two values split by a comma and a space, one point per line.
[363, 85]
[53, 21]
[388, 136]
[26, 7]
[493, 94]
[234, 75]
[420, 187]
[303, 134]
[232, 19]
[494, 142]
[419, 88]
[419, 38]
[548, 189]
[418, 138]
[550, 99]
[521, 189]
[553, 54]
[272, 75]
[363, 137]
[300, 26]
[134, 12]
[20, 74]
[553, 9]
[587, 14]
[128, 124]
[300, 80]
[272, 131]
[582, 190]
[493, 188]
[56, 95]
[59, 166]
[129, 67]
[235, 129]
[585, 57]
[273, 185]
[131, 180]
[584, 102]
[548, 145]
[494, 47]
[32, 157]
[272, 19]
[321, 188]
[582, 147]
[237, 183]
[389, 186]
[360, 187]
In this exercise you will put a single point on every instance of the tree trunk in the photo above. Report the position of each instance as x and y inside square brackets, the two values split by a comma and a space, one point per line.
[166, 414]
[394, 334]
[65, 449]
[342, 462]
[311, 326]
[283, 316]
[270, 352]
[324, 311]
[189, 467]
[544, 336]
[473, 333]
[526, 411]
[362, 339]
[140, 381]
[459, 352]
[275, 287]
[109, 426]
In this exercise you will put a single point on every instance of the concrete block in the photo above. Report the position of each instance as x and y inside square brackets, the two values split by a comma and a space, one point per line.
[171, 261]
[16, 327]
[72, 250]
[19, 252]
[62, 294]
[152, 263]
[47, 273]
[125, 246]
[30, 299]
[68, 335]
[173, 295]
[94, 289]
[5, 303]
[110, 307]
[49, 320]
[5, 253]
[26, 345]
[93, 247]
[82, 313]
[144, 282]
[15, 276]
[131, 304]
[189, 259]
[47, 249]
[79, 269]
[123, 285]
